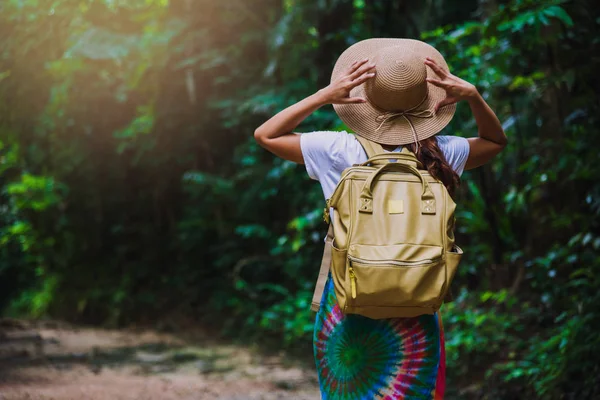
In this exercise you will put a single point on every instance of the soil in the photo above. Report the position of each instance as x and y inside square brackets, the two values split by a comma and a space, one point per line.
[61, 362]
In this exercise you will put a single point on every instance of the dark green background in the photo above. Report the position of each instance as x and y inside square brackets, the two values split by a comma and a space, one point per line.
[131, 190]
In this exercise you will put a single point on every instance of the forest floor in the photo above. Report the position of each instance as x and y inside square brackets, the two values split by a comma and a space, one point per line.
[55, 361]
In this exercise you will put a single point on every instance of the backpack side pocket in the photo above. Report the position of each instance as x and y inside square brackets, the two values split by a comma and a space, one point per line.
[338, 273]
[452, 261]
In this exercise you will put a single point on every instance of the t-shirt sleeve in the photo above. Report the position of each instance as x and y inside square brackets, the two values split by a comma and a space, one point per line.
[320, 151]
[456, 150]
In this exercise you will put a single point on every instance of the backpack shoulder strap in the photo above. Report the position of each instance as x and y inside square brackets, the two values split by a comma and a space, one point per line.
[371, 148]
[323, 271]
[405, 150]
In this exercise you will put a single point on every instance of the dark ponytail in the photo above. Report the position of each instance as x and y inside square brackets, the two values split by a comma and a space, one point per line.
[433, 159]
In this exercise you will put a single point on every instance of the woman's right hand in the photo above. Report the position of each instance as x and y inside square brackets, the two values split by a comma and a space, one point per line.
[338, 92]
[276, 134]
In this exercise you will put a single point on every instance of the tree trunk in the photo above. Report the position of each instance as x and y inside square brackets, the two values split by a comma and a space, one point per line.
[332, 26]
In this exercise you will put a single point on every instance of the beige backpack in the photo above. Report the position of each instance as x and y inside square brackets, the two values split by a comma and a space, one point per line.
[390, 243]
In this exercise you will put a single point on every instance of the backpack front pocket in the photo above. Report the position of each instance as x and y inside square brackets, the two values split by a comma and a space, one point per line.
[397, 275]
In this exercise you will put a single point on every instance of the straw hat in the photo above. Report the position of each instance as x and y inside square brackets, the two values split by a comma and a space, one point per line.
[400, 102]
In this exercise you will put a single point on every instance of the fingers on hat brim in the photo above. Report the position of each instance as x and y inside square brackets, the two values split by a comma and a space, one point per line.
[436, 82]
[356, 66]
[363, 78]
[353, 100]
[431, 63]
[363, 69]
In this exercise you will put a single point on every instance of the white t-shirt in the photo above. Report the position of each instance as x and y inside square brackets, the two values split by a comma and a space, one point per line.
[328, 153]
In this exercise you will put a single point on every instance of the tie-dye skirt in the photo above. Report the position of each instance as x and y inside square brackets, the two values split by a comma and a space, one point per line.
[359, 358]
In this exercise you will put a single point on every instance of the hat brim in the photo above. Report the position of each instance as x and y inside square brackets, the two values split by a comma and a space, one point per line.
[362, 117]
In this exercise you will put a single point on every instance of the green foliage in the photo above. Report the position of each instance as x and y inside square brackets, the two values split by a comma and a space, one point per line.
[532, 208]
[131, 188]
[35, 193]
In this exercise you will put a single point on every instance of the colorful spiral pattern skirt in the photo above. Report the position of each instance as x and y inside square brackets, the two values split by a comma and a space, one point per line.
[359, 358]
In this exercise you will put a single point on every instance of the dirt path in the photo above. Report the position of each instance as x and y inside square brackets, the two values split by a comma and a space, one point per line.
[94, 364]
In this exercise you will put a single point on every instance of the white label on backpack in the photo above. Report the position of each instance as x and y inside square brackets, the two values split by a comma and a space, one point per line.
[395, 206]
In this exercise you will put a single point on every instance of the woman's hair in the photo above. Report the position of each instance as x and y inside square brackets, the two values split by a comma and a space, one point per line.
[433, 159]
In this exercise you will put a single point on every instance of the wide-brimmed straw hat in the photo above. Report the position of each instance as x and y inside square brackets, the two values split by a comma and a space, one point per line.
[400, 102]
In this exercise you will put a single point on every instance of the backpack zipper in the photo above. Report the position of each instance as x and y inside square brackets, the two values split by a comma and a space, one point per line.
[387, 262]
[394, 262]
[352, 281]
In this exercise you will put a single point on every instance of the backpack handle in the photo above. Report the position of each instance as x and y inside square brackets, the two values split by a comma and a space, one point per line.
[366, 196]
[408, 158]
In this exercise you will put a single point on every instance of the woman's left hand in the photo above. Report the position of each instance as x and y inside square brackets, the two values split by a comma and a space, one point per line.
[456, 89]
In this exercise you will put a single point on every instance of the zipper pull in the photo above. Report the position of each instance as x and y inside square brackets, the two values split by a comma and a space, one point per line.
[353, 282]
